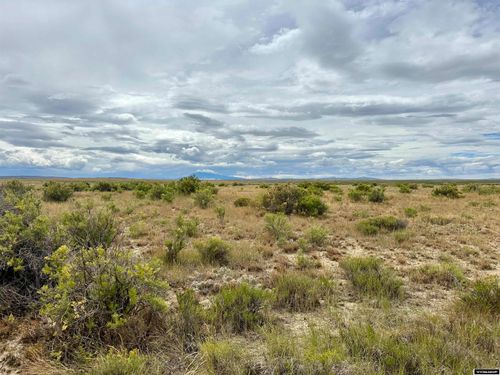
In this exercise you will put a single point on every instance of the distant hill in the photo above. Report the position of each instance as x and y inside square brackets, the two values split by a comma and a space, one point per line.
[215, 176]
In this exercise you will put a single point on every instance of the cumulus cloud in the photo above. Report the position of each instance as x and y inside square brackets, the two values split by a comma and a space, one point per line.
[378, 88]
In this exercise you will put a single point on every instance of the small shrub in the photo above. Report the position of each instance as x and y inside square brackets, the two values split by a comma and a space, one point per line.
[188, 185]
[242, 202]
[223, 358]
[355, 195]
[203, 198]
[371, 278]
[220, 211]
[278, 226]
[240, 308]
[376, 195]
[374, 225]
[173, 247]
[306, 262]
[401, 236]
[404, 189]
[89, 227]
[446, 274]
[103, 186]
[94, 294]
[296, 291]
[191, 318]
[410, 212]
[311, 205]
[447, 190]
[188, 227]
[439, 220]
[56, 192]
[138, 229]
[283, 198]
[317, 236]
[483, 296]
[213, 251]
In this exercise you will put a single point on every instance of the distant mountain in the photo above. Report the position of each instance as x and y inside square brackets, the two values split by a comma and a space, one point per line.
[215, 176]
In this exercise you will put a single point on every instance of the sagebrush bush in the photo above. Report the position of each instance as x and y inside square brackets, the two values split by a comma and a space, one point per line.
[188, 226]
[298, 291]
[213, 251]
[278, 226]
[404, 188]
[203, 198]
[188, 185]
[99, 296]
[369, 277]
[240, 307]
[447, 190]
[26, 238]
[317, 236]
[376, 195]
[185, 228]
[355, 195]
[374, 225]
[283, 198]
[242, 202]
[190, 320]
[220, 211]
[311, 205]
[56, 192]
[410, 212]
[446, 274]
[87, 227]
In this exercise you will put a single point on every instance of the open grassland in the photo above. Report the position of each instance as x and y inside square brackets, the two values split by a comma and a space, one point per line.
[250, 278]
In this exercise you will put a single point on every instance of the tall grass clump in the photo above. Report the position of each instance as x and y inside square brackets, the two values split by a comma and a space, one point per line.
[190, 320]
[224, 358]
[239, 308]
[317, 236]
[278, 226]
[445, 274]
[371, 278]
[483, 296]
[297, 291]
[125, 363]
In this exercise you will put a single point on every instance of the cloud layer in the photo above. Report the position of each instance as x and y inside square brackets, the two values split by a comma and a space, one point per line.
[399, 89]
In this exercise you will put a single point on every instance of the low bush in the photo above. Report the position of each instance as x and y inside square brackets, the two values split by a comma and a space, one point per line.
[447, 190]
[370, 278]
[446, 274]
[374, 225]
[188, 227]
[376, 195]
[100, 296]
[355, 195]
[311, 205]
[240, 308]
[88, 227]
[190, 320]
[297, 291]
[185, 228]
[220, 211]
[203, 198]
[56, 192]
[317, 236]
[104, 186]
[26, 238]
[188, 185]
[401, 236]
[283, 198]
[213, 251]
[242, 202]
[404, 188]
[138, 229]
[439, 220]
[278, 226]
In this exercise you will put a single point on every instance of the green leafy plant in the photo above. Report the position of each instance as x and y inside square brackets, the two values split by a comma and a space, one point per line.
[311, 205]
[213, 251]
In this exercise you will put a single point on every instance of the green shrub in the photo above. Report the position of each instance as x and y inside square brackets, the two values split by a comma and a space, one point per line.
[374, 225]
[97, 296]
[404, 188]
[376, 195]
[369, 277]
[355, 195]
[240, 308]
[138, 229]
[125, 363]
[89, 227]
[401, 236]
[439, 220]
[203, 198]
[26, 238]
[213, 251]
[56, 192]
[278, 226]
[483, 296]
[447, 190]
[188, 185]
[104, 186]
[242, 202]
[311, 205]
[224, 358]
[191, 318]
[283, 198]
[317, 236]
[164, 192]
[296, 291]
[220, 211]
[446, 274]
[410, 212]
[185, 228]
[189, 227]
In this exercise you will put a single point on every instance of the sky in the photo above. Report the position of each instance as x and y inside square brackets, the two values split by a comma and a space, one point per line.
[256, 88]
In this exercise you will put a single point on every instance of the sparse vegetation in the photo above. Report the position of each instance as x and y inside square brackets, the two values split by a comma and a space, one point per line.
[375, 225]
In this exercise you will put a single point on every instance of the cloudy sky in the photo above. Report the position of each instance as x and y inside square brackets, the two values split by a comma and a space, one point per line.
[157, 88]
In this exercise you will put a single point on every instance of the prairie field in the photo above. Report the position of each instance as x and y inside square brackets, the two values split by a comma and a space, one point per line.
[192, 277]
